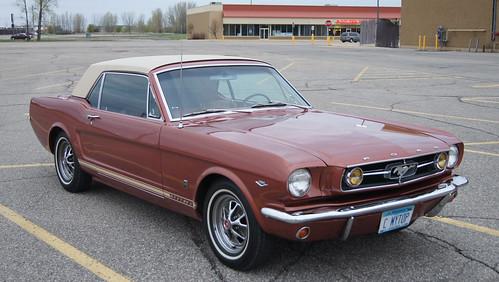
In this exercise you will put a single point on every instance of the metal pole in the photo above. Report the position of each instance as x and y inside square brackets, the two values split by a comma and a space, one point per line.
[377, 19]
[494, 19]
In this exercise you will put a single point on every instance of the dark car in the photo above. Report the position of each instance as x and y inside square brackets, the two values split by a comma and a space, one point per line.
[22, 36]
[350, 36]
[230, 142]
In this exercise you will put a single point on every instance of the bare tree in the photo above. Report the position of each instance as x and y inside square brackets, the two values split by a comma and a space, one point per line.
[141, 25]
[214, 26]
[78, 23]
[23, 4]
[128, 20]
[43, 7]
[156, 21]
[109, 21]
[177, 16]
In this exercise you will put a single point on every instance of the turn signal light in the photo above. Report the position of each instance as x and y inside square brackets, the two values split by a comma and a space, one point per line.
[303, 233]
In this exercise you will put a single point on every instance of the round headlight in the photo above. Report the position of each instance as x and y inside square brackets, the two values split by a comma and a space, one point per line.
[299, 182]
[441, 161]
[354, 177]
[453, 156]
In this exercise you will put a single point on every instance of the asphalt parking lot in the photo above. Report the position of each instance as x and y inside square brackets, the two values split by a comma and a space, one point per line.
[49, 234]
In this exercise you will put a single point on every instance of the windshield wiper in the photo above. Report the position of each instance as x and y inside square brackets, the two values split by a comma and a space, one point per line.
[279, 104]
[207, 111]
[269, 104]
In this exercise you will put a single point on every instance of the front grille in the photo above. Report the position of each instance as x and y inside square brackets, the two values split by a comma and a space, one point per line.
[395, 172]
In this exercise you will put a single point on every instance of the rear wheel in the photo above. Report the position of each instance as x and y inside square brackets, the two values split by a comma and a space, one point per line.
[69, 172]
[234, 234]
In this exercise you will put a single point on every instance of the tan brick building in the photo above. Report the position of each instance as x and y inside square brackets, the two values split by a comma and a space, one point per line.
[461, 20]
[278, 21]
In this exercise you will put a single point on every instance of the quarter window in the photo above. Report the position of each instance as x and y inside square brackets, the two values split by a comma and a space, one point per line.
[93, 98]
[125, 93]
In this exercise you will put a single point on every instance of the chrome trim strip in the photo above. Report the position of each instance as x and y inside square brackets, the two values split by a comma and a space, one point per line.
[392, 184]
[443, 190]
[348, 228]
[153, 190]
[397, 159]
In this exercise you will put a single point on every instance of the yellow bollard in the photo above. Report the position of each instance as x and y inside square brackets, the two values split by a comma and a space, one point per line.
[424, 43]
[293, 39]
[312, 39]
[420, 42]
[328, 41]
[436, 42]
[223, 38]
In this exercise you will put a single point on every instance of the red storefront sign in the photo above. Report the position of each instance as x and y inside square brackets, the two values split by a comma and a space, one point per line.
[355, 22]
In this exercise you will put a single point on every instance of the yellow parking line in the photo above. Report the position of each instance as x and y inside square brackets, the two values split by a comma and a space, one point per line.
[286, 67]
[25, 165]
[413, 112]
[360, 74]
[466, 225]
[482, 99]
[268, 77]
[480, 152]
[68, 250]
[19, 58]
[9, 69]
[481, 143]
[486, 86]
[55, 85]
[39, 74]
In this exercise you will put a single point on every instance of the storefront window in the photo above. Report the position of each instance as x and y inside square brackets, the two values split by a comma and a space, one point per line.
[286, 30]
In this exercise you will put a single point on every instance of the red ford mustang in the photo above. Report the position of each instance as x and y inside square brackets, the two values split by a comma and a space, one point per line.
[229, 141]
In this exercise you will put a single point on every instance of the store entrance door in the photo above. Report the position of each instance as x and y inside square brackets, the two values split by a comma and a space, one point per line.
[264, 33]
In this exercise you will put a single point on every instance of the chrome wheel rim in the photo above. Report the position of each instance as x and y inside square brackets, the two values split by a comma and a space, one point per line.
[65, 161]
[229, 223]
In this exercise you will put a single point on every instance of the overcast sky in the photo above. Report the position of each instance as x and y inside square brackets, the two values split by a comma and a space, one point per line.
[89, 8]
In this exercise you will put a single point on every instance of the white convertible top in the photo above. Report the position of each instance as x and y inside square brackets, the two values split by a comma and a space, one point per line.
[142, 65]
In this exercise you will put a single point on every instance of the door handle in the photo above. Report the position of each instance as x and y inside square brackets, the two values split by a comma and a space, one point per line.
[92, 117]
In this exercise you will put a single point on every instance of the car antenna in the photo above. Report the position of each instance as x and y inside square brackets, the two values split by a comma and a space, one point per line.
[181, 124]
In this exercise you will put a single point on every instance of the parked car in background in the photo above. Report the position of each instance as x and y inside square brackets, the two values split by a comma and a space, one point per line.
[230, 142]
[350, 37]
[22, 36]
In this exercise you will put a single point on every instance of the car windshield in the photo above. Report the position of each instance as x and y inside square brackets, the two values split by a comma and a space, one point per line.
[225, 88]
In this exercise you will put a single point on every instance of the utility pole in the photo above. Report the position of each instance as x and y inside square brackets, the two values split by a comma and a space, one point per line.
[12, 21]
[377, 20]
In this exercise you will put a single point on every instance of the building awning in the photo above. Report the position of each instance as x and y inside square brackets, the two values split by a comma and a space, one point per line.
[309, 12]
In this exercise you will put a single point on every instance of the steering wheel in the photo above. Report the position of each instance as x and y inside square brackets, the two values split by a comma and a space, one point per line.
[256, 95]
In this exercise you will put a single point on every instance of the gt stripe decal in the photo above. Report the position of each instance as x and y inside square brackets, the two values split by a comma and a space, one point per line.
[138, 184]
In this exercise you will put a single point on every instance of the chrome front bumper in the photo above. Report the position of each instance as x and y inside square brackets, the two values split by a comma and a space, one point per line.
[445, 190]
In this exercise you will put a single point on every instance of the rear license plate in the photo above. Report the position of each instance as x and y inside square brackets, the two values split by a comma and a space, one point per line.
[394, 219]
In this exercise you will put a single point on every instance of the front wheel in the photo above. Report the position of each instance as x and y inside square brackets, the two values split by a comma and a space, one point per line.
[69, 172]
[234, 234]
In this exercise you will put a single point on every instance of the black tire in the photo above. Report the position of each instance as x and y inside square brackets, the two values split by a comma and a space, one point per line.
[232, 230]
[69, 172]
[351, 40]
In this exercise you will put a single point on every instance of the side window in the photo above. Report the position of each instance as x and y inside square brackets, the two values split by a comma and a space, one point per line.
[93, 98]
[125, 93]
[153, 106]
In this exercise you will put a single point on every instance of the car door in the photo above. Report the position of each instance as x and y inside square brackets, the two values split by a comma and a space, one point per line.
[121, 139]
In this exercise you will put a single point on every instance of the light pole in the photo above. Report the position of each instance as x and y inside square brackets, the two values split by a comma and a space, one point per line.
[377, 20]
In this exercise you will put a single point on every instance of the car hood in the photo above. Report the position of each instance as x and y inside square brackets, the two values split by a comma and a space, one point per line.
[338, 140]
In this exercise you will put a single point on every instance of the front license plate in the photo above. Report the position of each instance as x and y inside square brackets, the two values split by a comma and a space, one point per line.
[395, 219]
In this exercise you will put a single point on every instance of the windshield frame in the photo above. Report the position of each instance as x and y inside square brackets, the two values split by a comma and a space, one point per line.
[205, 64]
